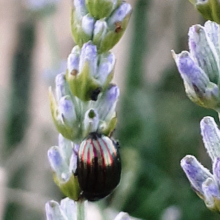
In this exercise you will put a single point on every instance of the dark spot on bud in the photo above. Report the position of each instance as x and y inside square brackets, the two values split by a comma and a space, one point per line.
[198, 92]
[94, 135]
[95, 94]
[92, 113]
[118, 27]
[74, 72]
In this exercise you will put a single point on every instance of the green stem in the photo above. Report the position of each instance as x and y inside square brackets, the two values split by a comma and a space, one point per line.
[81, 210]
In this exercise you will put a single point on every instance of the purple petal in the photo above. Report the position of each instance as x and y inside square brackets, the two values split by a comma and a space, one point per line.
[100, 27]
[67, 110]
[66, 148]
[59, 166]
[107, 103]
[119, 14]
[61, 86]
[73, 162]
[80, 7]
[212, 30]
[195, 172]
[89, 55]
[88, 24]
[55, 157]
[190, 72]
[53, 211]
[211, 137]
[68, 206]
[107, 64]
[203, 50]
[216, 169]
[211, 192]
[73, 61]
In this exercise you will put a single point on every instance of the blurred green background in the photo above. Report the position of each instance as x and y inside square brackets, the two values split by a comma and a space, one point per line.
[157, 124]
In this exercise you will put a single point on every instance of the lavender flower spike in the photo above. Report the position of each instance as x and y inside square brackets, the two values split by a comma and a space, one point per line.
[211, 137]
[196, 173]
[200, 68]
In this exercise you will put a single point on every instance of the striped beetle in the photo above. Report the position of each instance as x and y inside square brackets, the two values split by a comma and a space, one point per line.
[98, 166]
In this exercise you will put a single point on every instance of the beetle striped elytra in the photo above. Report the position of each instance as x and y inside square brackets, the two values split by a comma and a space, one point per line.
[98, 166]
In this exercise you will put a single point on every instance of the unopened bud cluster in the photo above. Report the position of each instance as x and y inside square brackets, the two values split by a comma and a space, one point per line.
[84, 99]
[200, 67]
[200, 71]
[206, 184]
[101, 21]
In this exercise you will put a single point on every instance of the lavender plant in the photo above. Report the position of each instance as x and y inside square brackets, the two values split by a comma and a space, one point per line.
[86, 163]
[200, 71]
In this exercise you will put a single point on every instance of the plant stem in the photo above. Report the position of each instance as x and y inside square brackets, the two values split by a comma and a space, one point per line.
[81, 210]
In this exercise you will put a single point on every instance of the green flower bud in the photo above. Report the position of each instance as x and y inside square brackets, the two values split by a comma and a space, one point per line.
[81, 71]
[63, 160]
[82, 28]
[107, 127]
[64, 116]
[89, 73]
[70, 188]
[101, 8]
[208, 8]
[117, 23]
[100, 30]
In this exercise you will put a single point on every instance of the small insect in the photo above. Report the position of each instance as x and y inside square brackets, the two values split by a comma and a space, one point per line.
[98, 166]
